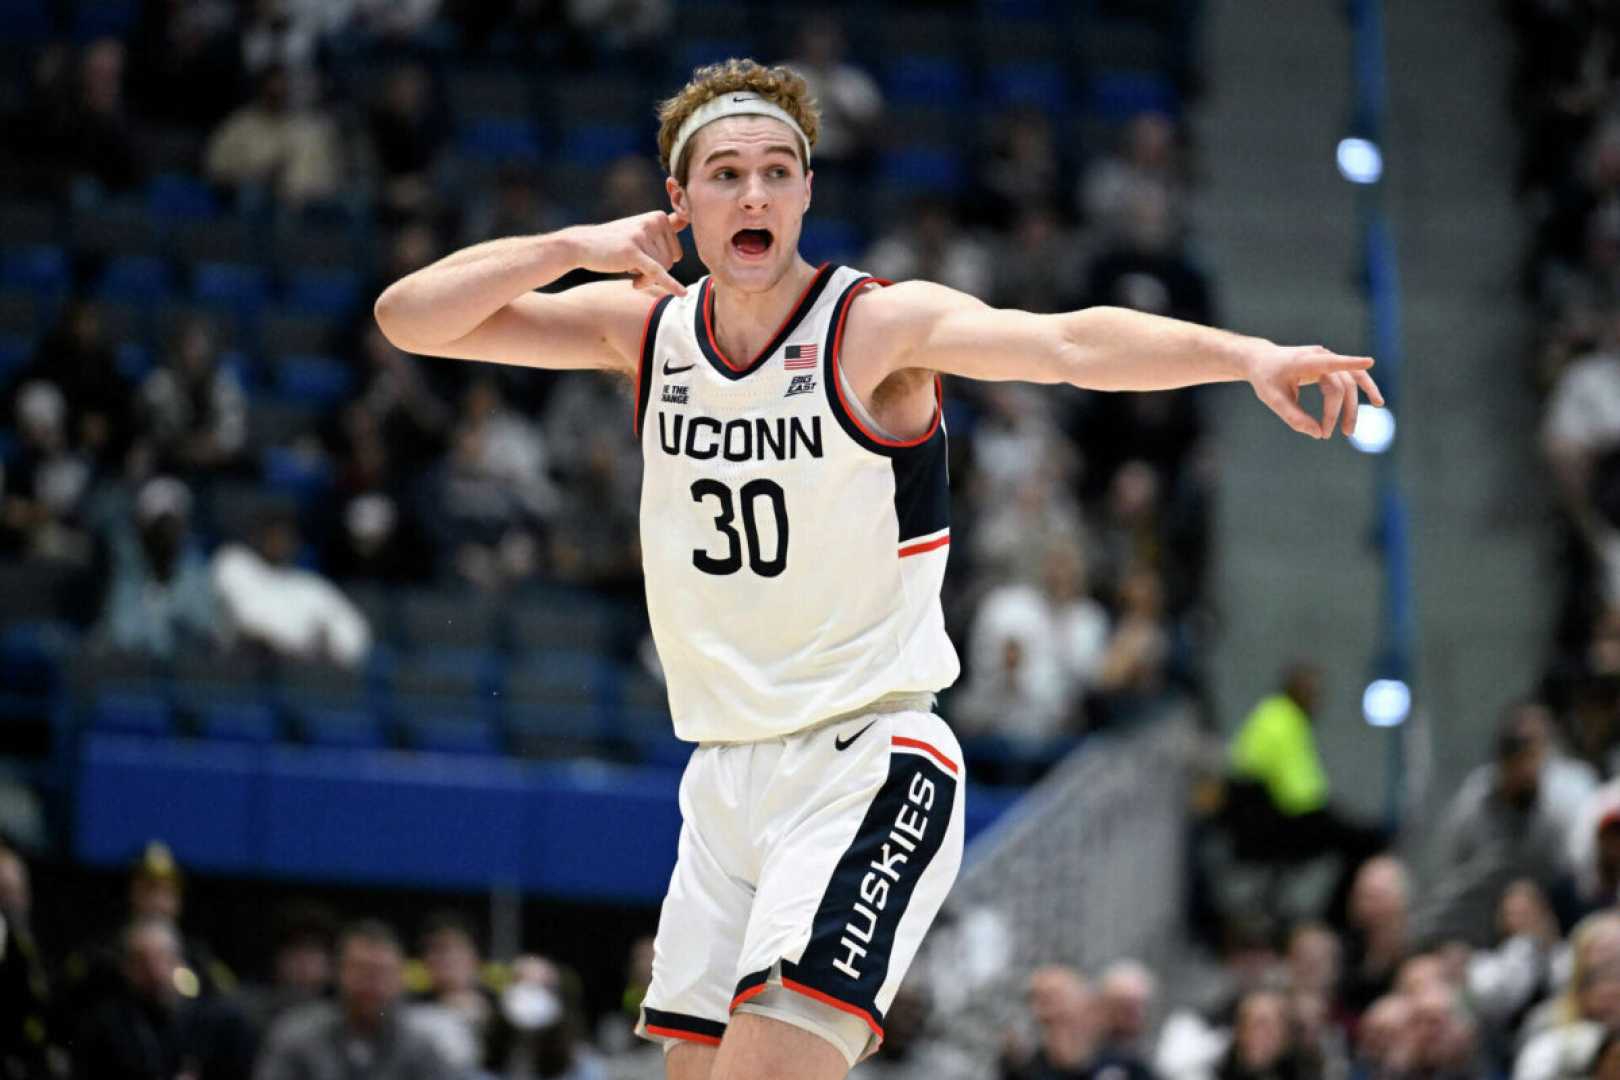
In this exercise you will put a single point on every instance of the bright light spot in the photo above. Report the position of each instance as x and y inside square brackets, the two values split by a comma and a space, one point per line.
[1375, 429]
[1360, 161]
[186, 983]
[1386, 702]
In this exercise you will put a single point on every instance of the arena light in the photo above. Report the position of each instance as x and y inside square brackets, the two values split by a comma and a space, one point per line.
[1386, 703]
[1375, 429]
[1360, 160]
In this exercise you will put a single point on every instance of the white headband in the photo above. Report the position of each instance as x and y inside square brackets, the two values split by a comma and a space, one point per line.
[733, 103]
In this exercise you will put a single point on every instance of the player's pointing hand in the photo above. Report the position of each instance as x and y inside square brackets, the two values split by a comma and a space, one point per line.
[644, 246]
[1277, 373]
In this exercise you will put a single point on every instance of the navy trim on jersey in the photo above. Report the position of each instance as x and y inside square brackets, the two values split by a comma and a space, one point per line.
[693, 1025]
[644, 366]
[922, 501]
[702, 319]
[858, 878]
[753, 982]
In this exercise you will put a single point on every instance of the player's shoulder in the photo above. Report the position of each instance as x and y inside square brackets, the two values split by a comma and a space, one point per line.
[905, 310]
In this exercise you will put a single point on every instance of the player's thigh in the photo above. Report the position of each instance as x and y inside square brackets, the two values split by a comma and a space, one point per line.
[690, 1061]
[760, 1048]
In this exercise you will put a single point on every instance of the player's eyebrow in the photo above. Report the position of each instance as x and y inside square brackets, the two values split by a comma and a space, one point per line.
[778, 148]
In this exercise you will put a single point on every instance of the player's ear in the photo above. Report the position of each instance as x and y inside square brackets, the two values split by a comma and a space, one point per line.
[677, 196]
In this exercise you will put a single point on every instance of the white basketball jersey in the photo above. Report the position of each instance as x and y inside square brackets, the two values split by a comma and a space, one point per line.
[793, 551]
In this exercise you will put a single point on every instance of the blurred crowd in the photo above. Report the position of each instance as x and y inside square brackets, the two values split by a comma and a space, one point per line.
[213, 486]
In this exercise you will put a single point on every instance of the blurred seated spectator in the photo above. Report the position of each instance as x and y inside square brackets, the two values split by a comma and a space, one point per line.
[1149, 156]
[407, 131]
[369, 1031]
[1135, 667]
[1379, 937]
[1146, 269]
[289, 36]
[1034, 513]
[1279, 802]
[160, 598]
[1582, 418]
[1510, 819]
[82, 131]
[1020, 171]
[1039, 264]
[1315, 961]
[1263, 1045]
[293, 613]
[615, 1032]
[27, 1019]
[1068, 1028]
[187, 65]
[621, 25]
[397, 426]
[1128, 993]
[76, 358]
[517, 206]
[850, 100]
[43, 486]
[930, 243]
[301, 964]
[1060, 634]
[536, 1031]
[268, 147]
[1562, 1041]
[1503, 982]
[453, 971]
[156, 1026]
[378, 542]
[193, 413]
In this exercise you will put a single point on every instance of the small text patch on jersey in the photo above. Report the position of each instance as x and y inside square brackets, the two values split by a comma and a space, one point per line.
[797, 357]
[801, 384]
[675, 395]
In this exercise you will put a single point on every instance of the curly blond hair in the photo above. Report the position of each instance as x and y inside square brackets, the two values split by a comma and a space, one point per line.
[781, 86]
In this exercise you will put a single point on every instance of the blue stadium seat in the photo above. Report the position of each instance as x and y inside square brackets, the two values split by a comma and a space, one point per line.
[927, 168]
[556, 676]
[452, 734]
[319, 380]
[134, 360]
[467, 675]
[926, 80]
[1042, 86]
[25, 20]
[353, 728]
[131, 712]
[14, 355]
[591, 145]
[180, 197]
[695, 53]
[826, 239]
[1120, 95]
[324, 292]
[295, 473]
[136, 279]
[105, 18]
[239, 721]
[240, 288]
[500, 140]
[44, 269]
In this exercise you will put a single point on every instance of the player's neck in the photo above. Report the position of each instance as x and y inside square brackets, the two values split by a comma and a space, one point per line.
[744, 323]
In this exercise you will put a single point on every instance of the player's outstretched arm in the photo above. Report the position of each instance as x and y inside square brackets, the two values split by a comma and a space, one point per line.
[480, 303]
[1106, 348]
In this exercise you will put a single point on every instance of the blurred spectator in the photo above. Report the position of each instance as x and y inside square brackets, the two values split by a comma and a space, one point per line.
[1033, 513]
[288, 36]
[1275, 749]
[367, 1032]
[293, 613]
[1315, 962]
[76, 358]
[1262, 1041]
[1021, 171]
[86, 133]
[931, 244]
[187, 65]
[160, 599]
[594, 539]
[301, 966]
[1146, 270]
[156, 1027]
[535, 1033]
[518, 206]
[192, 409]
[851, 102]
[407, 130]
[1149, 156]
[1504, 982]
[1582, 418]
[621, 25]
[43, 485]
[1566, 1040]
[1128, 995]
[1509, 820]
[1039, 263]
[454, 976]
[27, 1047]
[616, 1032]
[1134, 667]
[269, 147]
[1380, 932]
[1068, 1028]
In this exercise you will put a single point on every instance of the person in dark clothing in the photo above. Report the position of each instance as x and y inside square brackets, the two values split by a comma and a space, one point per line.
[26, 1049]
[155, 1026]
[75, 357]
[1262, 1042]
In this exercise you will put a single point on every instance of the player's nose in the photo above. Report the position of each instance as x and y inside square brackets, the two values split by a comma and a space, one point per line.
[755, 195]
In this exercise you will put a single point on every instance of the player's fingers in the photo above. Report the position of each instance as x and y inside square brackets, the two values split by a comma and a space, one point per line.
[1311, 364]
[1295, 417]
[654, 242]
[657, 277]
[1352, 402]
[1365, 381]
[1332, 402]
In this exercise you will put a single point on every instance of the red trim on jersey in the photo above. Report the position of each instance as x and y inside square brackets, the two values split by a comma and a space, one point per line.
[838, 386]
[676, 1033]
[828, 999]
[918, 744]
[926, 545]
[708, 321]
[744, 995]
[641, 362]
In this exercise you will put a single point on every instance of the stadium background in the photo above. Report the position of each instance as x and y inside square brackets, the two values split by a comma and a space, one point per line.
[202, 197]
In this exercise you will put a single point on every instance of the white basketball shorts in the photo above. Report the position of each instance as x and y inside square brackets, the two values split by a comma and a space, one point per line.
[809, 869]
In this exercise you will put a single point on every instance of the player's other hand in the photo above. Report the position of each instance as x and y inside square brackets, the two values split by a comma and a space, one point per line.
[644, 246]
[1277, 372]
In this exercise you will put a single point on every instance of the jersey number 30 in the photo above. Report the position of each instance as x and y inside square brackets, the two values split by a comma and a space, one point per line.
[750, 493]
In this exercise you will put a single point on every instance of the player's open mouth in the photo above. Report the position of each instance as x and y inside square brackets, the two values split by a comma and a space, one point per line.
[751, 243]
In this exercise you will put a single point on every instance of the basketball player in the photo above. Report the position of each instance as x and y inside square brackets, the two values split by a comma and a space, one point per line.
[794, 534]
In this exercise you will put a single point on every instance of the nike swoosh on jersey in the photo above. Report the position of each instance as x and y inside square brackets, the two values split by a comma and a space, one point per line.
[843, 744]
[676, 370]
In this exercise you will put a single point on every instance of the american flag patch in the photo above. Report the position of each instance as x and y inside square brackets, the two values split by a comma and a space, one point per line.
[796, 357]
